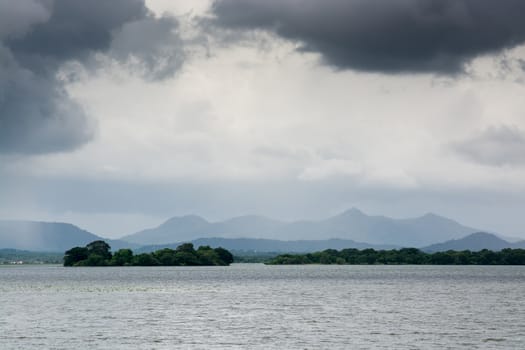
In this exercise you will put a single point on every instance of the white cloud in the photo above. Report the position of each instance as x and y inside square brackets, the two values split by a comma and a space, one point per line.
[327, 168]
[212, 121]
[496, 146]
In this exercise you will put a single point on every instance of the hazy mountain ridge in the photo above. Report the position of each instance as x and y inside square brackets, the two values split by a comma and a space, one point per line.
[351, 225]
[48, 236]
[475, 242]
[270, 245]
[350, 229]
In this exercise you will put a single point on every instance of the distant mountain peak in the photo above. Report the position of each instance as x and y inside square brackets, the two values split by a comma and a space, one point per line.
[352, 224]
[354, 212]
[186, 218]
[436, 217]
[251, 217]
[475, 242]
[47, 236]
[483, 235]
[192, 217]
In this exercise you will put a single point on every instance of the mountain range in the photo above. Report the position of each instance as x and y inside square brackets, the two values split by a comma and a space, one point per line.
[350, 229]
[271, 245]
[349, 225]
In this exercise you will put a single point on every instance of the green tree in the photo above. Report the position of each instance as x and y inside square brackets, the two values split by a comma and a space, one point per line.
[463, 258]
[411, 256]
[75, 255]
[513, 256]
[122, 257]
[487, 257]
[93, 260]
[100, 248]
[186, 247]
[224, 255]
[145, 259]
[185, 258]
[166, 257]
[98, 253]
[207, 256]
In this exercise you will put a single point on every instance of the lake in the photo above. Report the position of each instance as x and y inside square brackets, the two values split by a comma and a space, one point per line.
[253, 306]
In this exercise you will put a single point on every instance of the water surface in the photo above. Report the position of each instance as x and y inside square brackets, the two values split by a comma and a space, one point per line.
[263, 307]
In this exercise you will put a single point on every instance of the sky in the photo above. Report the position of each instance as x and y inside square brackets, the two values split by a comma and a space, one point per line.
[116, 115]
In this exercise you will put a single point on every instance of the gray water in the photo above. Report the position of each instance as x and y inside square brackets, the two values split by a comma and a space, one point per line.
[252, 306]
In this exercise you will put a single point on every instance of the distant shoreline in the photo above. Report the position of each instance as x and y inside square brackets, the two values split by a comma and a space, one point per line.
[404, 256]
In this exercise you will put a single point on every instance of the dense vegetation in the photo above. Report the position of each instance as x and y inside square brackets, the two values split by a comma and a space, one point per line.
[404, 256]
[98, 253]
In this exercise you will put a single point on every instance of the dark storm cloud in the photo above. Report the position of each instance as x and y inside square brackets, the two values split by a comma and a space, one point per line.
[36, 113]
[496, 146]
[76, 28]
[395, 36]
[37, 37]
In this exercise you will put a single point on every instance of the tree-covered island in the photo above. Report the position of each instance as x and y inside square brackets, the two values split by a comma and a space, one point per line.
[403, 256]
[98, 253]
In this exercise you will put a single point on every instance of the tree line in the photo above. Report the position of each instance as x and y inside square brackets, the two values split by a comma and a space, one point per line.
[98, 253]
[402, 256]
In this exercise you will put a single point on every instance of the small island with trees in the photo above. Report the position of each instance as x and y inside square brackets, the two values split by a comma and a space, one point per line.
[404, 256]
[98, 253]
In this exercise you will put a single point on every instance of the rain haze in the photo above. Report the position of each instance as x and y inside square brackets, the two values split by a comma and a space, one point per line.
[116, 115]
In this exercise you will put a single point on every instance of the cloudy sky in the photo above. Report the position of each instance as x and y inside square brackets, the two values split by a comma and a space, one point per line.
[115, 115]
